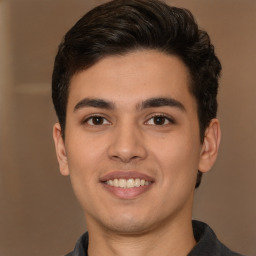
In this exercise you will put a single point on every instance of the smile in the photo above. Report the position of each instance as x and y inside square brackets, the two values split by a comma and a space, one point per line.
[128, 183]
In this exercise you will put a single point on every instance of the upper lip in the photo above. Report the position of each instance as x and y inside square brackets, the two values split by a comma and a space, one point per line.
[125, 175]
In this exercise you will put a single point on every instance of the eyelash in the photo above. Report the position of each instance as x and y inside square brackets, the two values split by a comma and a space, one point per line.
[103, 119]
[86, 121]
[165, 117]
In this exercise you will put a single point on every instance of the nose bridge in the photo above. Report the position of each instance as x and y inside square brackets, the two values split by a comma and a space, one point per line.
[127, 142]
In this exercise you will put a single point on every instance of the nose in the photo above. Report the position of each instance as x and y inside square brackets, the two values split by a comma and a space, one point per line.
[127, 144]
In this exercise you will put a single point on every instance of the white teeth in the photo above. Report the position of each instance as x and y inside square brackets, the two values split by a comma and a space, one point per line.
[137, 183]
[115, 183]
[122, 183]
[129, 183]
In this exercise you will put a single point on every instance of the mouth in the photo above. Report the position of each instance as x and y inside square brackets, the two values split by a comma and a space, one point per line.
[126, 184]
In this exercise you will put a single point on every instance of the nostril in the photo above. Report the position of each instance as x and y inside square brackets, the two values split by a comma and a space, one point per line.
[124, 159]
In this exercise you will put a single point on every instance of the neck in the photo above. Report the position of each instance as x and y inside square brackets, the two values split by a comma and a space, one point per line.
[174, 238]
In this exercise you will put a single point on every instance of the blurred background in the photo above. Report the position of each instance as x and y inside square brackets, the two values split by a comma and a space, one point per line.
[39, 214]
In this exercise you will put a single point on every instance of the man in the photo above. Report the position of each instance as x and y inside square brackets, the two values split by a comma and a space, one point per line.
[134, 87]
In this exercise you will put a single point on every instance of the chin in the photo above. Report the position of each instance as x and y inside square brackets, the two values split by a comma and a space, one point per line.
[122, 222]
[128, 228]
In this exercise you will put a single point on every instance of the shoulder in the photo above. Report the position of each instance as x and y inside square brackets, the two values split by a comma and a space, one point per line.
[80, 247]
[208, 243]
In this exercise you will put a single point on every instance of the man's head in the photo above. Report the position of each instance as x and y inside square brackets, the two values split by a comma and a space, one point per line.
[134, 88]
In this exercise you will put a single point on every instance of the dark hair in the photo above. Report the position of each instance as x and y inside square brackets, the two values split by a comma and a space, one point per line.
[122, 26]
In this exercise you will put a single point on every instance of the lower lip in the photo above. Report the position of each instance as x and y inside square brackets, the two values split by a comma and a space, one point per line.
[127, 193]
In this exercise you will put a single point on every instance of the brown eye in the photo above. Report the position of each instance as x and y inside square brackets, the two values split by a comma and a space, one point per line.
[159, 120]
[96, 120]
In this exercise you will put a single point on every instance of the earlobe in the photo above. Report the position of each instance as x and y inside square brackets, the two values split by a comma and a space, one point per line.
[210, 146]
[60, 150]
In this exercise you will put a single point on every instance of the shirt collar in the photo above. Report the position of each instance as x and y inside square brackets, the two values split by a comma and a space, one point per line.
[207, 243]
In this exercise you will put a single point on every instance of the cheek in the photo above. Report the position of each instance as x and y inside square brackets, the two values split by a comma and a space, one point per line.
[83, 149]
[83, 161]
[177, 156]
[83, 156]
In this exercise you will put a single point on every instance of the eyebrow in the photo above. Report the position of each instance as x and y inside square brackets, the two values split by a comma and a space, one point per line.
[161, 102]
[149, 103]
[95, 103]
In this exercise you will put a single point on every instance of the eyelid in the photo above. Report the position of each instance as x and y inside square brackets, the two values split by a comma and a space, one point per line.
[170, 119]
[89, 117]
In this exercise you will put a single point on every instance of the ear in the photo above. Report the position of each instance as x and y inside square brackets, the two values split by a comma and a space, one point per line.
[210, 146]
[60, 149]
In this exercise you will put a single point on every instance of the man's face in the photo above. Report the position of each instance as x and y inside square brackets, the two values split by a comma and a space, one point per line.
[132, 145]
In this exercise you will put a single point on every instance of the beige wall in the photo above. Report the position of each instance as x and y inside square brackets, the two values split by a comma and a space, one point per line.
[38, 212]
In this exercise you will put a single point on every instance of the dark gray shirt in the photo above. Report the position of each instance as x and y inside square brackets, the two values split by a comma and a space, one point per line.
[207, 243]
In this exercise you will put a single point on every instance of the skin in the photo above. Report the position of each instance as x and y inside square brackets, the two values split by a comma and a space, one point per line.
[128, 135]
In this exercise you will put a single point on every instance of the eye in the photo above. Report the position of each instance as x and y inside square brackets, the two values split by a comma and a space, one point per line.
[159, 120]
[96, 120]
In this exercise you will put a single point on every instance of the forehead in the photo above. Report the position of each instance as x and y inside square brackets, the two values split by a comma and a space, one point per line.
[132, 77]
